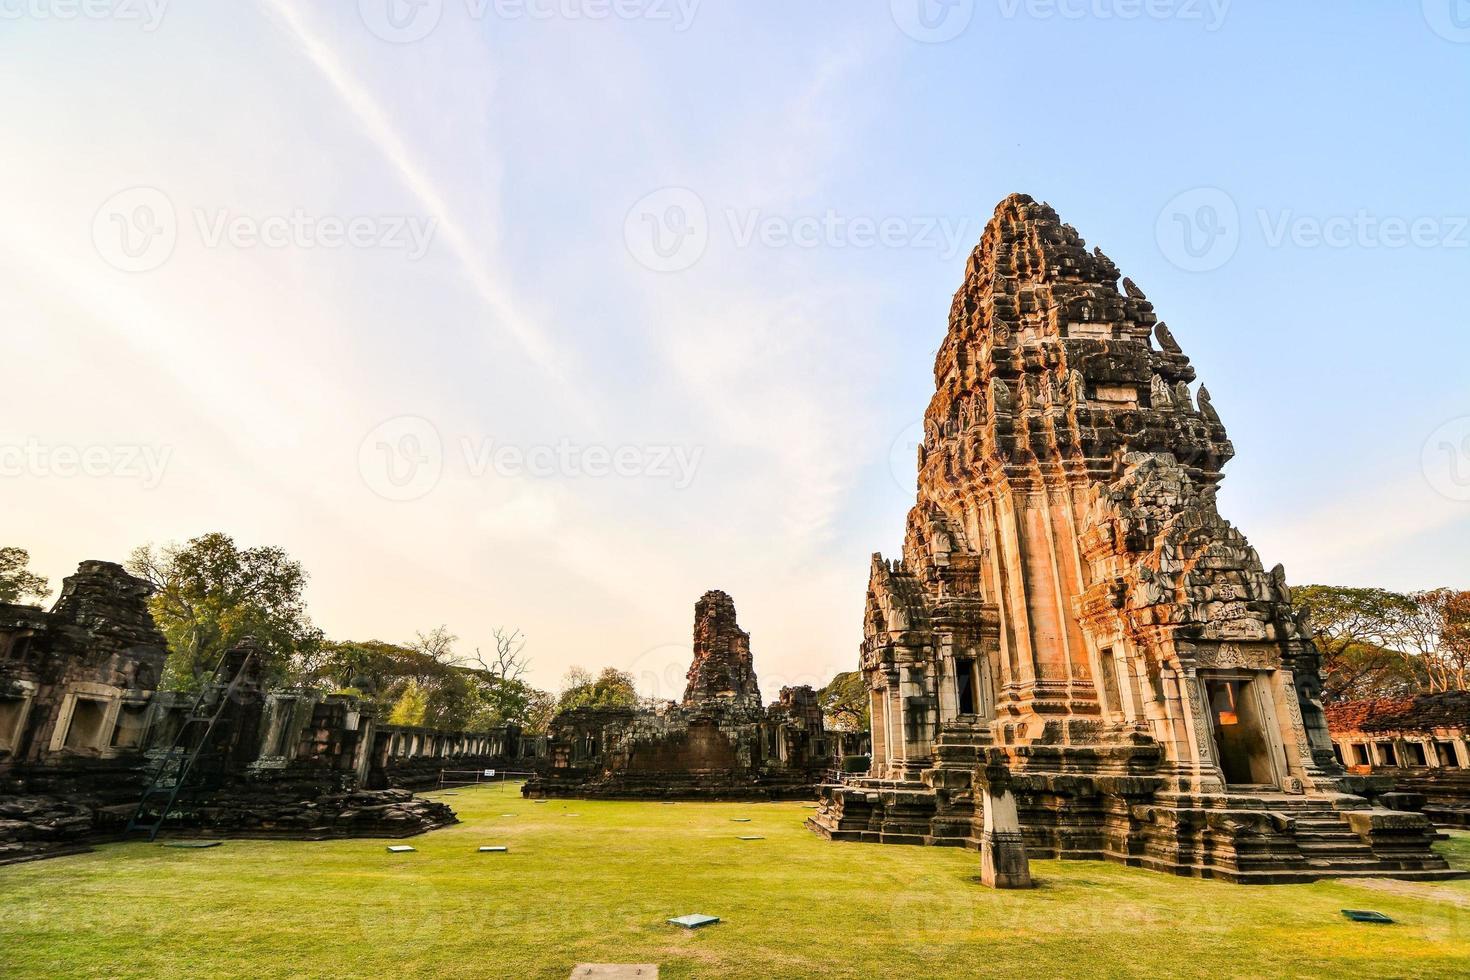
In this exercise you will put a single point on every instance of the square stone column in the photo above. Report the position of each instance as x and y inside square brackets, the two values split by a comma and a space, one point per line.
[1003, 861]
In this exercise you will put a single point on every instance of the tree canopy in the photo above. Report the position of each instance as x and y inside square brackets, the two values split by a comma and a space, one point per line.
[211, 594]
[1376, 642]
[612, 688]
[17, 582]
[428, 683]
[845, 702]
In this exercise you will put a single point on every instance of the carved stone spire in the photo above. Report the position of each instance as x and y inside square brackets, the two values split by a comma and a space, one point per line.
[1036, 304]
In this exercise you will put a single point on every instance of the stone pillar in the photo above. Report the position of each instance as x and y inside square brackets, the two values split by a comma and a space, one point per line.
[916, 690]
[878, 726]
[949, 698]
[893, 704]
[1003, 861]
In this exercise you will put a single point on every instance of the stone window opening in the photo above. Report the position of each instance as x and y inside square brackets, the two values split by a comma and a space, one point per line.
[12, 715]
[1416, 755]
[1112, 699]
[16, 646]
[1337, 752]
[85, 728]
[1360, 755]
[1386, 754]
[132, 723]
[1443, 749]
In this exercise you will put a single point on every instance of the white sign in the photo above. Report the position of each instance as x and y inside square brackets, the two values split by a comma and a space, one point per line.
[490, 772]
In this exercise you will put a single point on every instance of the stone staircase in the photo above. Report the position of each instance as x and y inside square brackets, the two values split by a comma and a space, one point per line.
[1341, 837]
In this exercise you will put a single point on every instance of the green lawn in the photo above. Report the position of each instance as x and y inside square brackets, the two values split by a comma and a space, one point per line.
[597, 886]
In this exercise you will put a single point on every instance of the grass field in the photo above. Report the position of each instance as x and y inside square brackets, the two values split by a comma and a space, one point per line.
[594, 882]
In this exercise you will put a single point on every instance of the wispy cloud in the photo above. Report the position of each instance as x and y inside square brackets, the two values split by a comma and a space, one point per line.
[475, 260]
[753, 344]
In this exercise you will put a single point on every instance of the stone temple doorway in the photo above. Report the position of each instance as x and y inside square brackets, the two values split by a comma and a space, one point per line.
[1240, 721]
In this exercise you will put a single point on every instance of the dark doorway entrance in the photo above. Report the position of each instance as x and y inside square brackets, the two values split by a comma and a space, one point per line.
[964, 682]
[1240, 732]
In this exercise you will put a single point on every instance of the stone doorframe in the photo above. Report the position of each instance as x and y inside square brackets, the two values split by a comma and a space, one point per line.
[1256, 685]
[983, 686]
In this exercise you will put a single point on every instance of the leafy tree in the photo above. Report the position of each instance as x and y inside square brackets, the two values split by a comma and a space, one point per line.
[428, 681]
[376, 669]
[211, 594]
[412, 706]
[17, 582]
[612, 688]
[1358, 633]
[539, 712]
[505, 694]
[845, 702]
[1437, 629]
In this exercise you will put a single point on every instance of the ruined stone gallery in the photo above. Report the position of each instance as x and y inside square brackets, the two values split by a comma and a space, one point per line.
[84, 732]
[1073, 629]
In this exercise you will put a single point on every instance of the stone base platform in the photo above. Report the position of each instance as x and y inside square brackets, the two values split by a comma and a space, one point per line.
[1244, 838]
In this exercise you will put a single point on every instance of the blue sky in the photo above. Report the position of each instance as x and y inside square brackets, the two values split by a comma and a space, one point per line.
[816, 174]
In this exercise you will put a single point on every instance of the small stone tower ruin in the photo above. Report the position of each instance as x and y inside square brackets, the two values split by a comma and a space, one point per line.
[722, 670]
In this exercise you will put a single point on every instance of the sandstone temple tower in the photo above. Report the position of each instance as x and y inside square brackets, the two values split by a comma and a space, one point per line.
[1072, 611]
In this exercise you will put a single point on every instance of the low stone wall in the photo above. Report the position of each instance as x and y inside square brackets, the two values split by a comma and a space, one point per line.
[58, 809]
[1446, 793]
[420, 774]
[297, 808]
[299, 804]
[34, 827]
[677, 753]
[709, 785]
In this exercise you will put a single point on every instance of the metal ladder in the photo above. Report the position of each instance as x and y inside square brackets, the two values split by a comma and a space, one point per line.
[173, 768]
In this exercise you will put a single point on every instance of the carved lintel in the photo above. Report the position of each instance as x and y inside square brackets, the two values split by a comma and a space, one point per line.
[1234, 656]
